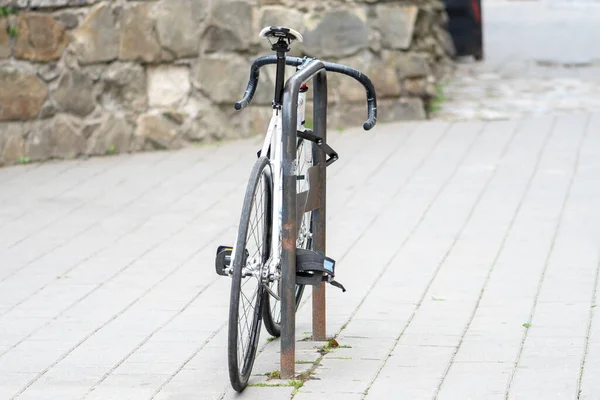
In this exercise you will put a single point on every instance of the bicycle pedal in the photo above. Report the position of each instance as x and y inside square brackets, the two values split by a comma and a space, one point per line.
[223, 260]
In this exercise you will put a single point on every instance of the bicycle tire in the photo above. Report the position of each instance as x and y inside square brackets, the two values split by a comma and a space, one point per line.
[271, 311]
[251, 261]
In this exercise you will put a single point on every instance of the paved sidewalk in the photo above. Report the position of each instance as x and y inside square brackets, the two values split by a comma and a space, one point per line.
[470, 252]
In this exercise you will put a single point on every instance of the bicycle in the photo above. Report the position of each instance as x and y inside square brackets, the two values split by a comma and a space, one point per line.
[263, 249]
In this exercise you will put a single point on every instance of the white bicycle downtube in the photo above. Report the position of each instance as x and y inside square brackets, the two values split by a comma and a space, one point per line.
[277, 168]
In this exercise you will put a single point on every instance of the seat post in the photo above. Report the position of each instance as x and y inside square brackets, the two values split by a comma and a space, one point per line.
[281, 47]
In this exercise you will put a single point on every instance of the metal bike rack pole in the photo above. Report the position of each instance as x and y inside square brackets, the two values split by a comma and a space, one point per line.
[289, 223]
[319, 215]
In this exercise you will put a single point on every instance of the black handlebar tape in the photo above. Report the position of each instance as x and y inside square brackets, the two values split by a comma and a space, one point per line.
[368, 85]
[255, 73]
[372, 109]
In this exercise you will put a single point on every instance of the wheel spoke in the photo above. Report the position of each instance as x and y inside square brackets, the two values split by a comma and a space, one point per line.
[251, 252]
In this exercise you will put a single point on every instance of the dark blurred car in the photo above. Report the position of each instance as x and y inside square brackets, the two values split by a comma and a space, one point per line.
[465, 27]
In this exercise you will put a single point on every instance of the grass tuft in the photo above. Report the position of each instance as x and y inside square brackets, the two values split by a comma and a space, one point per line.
[273, 375]
[435, 104]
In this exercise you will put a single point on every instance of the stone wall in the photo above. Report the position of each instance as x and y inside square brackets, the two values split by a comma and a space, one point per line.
[101, 77]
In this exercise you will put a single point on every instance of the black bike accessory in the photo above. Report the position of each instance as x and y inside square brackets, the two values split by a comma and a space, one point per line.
[310, 263]
[324, 147]
[223, 260]
[337, 285]
[313, 267]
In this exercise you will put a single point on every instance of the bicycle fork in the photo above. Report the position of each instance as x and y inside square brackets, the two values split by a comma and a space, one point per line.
[272, 146]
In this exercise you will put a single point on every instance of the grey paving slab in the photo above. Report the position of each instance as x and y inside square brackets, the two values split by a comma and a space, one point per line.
[449, 237]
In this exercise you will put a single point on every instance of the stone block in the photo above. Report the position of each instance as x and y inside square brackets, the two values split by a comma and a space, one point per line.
[401, 110]
[230, 27]
[68, 19]
[396, 24]
[445, 40]
[382, 71]
[21, 93]
[282, 16]
[204, 121]
[412, 65]
[97, 39]
[178, 25]
[155, 132]
[39, 37]
[168, 85]
[124, 87]
[223, 77]
[59, 3]
[418, 87]
[38, 140]
[138, 39]
[12, 144]
[347, 88]
[112, 135]
[49, 71]
[75, 93]
[336, 33]
[48, 110]
[66, 138]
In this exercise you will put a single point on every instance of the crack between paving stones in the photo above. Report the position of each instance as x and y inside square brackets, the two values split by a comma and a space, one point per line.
[182, 366]
[400, 145]
[307, 297]
[32, 167]
[411, 176]
[387, 159]
[74, 236]
[51, 251]
[150, 249]
[154, 332]
[120, 210]
[412, 128]
[541, 281]
[87, 337]
[198, 160]
[69, 212]
[588, 332]
[499, 252]
[421, 219]
[69, 189]
[127, 307]
[47, 182]
[417, 168]
[375, 170]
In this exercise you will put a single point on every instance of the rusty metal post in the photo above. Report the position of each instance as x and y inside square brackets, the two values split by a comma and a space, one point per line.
[319, 331]
[289, 224]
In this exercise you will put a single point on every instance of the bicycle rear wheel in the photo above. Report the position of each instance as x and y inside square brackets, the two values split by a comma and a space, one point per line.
[272, 306]
[250, 256]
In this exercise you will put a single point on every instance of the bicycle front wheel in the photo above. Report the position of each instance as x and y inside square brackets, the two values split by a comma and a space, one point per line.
[250, 257]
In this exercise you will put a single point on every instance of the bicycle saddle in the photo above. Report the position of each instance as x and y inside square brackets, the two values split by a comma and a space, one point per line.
[281, 32]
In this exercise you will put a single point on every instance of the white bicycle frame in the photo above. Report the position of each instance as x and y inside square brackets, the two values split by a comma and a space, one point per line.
[273, 140]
